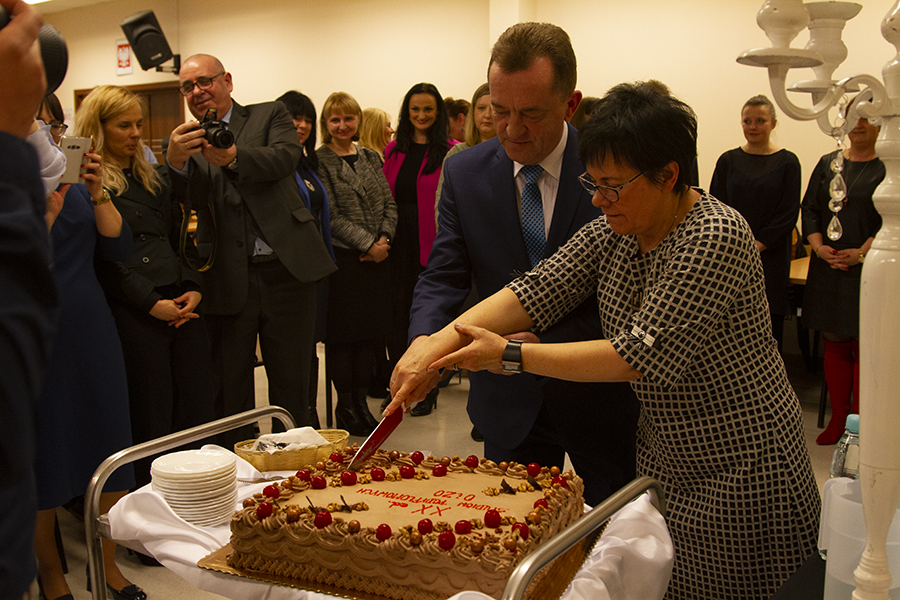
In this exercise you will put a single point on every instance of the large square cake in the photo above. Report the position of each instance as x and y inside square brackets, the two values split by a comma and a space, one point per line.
[404, 525]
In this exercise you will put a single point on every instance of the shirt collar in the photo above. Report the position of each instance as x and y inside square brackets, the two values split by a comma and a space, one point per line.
[552, 163]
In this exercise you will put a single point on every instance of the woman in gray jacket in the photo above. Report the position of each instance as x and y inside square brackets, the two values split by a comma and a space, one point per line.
[363, 221]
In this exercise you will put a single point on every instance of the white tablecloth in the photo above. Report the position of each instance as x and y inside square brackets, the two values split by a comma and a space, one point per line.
[632, 559]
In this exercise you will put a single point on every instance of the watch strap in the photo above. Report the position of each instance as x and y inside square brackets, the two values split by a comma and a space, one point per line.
[512, 357]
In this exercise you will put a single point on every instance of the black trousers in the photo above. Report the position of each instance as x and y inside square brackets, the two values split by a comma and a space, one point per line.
[598, 434]
[169, 374]
[281, 310]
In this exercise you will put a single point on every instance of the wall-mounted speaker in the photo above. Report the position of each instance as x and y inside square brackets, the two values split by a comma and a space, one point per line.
[146, 39]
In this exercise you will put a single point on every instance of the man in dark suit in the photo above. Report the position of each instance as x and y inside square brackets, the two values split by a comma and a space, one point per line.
[267, 251]
[499, 215]
[27, 294]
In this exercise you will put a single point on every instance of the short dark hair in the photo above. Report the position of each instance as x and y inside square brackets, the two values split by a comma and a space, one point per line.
[51, 103]
[583, 112]
[761, 100]
[437, 133]
[299, 105]
[519, 46]
[636, 126]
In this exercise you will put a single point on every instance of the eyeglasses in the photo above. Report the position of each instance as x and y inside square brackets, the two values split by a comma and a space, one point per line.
[204, 83]
[56, 126]
[608, 192]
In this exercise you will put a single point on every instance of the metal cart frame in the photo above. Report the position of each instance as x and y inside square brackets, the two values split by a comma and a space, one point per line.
[97, 525]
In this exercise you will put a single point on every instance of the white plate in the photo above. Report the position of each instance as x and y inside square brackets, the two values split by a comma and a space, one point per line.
[182, 498]
[192, 504]
[190, 463]
[194, 486]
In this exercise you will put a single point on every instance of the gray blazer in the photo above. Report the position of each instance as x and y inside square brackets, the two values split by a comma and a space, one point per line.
[361, 203]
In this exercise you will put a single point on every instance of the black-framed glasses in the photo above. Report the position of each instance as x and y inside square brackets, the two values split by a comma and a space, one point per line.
[204, 83]
[608, 192]
[56, 126]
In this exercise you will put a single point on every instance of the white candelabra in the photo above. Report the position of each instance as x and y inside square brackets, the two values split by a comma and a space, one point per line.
[879, 339]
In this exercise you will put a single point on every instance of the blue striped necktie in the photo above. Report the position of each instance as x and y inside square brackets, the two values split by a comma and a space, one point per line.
[533, 214]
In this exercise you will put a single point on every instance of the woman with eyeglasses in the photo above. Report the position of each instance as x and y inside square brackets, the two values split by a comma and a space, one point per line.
[51, 113]
[680, 290]
[412, 165]
[762, 182]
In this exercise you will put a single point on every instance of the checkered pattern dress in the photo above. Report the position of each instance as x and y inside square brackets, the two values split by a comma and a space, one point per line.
[720, 425]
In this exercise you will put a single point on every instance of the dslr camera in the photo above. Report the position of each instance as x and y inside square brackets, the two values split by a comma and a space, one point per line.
[216, 133]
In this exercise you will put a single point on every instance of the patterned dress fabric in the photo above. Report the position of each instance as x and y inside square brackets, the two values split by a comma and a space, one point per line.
[720, 425]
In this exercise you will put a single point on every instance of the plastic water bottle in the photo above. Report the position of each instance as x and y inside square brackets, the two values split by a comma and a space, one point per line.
[845, 462]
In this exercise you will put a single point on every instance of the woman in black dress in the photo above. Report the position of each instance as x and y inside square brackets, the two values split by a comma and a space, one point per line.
[154, 298]
[303, 113]
[762, 181]
[413, 164]
[831, 298]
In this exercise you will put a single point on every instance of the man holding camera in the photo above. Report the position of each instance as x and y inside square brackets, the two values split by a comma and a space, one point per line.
[266, 251]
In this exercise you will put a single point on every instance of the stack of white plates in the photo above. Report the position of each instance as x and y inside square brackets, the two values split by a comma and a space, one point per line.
[199, 485]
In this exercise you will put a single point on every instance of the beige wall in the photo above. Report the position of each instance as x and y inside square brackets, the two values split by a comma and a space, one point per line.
[376, 49]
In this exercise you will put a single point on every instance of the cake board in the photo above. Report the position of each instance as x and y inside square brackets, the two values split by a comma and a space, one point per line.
[548, 584]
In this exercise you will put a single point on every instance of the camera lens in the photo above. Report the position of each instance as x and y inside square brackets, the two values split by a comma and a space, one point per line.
[54, 52]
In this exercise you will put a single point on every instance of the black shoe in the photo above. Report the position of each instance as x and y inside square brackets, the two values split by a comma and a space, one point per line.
[345, 417]
[425, 406]
[385, 402]
[75, 507]
[477, 435]
[129, 592]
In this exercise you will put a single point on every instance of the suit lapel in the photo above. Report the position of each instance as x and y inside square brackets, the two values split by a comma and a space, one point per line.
[238, 119]
[569, 196]
[503, 187]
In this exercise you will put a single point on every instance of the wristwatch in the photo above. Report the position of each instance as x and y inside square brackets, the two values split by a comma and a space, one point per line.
[232, 166]
[862, 257]
[512, 357]
[103, 199]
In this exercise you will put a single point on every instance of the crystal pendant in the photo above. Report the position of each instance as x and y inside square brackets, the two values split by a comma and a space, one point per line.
[837, 163]
[838, 189]
[835, 230]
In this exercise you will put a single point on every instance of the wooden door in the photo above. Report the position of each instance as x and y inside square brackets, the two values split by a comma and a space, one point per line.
[163, 111]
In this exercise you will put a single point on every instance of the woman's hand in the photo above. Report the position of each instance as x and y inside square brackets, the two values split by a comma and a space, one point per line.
[55, 204]
[377, 252]
[178, 311]
[93, 175]
[410, 381]
[483, 350]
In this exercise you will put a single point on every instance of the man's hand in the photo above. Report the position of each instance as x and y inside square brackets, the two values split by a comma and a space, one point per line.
[218, 156]
[21, 69]
[377, 252]
[186, 141]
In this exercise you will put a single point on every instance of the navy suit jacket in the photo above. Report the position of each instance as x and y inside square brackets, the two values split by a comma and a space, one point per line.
[480, 239]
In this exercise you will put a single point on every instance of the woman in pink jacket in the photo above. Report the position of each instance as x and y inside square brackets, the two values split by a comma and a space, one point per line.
[412, 165]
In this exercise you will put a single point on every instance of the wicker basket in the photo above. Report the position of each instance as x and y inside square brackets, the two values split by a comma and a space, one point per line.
[290, 460]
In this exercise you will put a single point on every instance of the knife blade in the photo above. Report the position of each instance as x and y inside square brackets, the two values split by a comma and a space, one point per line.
[376, 439]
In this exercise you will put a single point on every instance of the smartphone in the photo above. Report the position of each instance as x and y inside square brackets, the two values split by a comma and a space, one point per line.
[74, 149]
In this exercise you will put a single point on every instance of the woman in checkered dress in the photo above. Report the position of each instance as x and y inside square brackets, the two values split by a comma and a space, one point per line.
[680, 288]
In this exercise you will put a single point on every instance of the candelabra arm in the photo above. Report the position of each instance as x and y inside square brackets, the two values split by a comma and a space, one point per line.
[778, 81]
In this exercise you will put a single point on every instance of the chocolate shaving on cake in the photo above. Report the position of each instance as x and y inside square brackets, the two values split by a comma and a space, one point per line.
[534, 483]
[311, 505]
[346, 506]
[506, 488]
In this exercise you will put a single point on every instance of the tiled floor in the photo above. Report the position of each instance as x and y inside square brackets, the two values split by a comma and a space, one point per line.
[445, 431]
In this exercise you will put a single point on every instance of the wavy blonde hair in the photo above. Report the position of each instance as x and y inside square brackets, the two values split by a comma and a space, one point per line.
[371, 133]
[107, 102]
[473, 134]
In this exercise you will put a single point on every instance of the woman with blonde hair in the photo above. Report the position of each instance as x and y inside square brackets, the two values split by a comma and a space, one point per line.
[363, 221]
[82, 413]
[152, 294]
[375, 131]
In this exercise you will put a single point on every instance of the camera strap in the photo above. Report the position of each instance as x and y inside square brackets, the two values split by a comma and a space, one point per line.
[184, 237]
